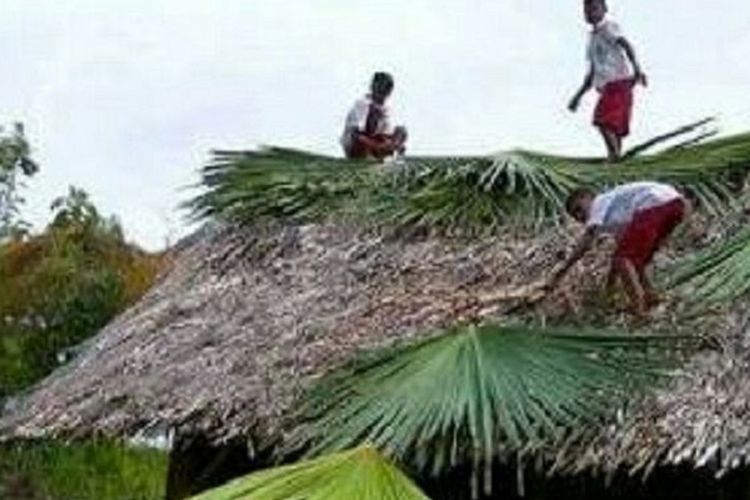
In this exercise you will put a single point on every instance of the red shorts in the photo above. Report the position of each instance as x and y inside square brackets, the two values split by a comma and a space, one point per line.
[615, 107]
[640, 239]
[359, 150]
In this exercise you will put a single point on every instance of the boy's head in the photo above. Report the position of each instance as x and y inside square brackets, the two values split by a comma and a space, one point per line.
[381, 87]
[579, 203]
[594, 10]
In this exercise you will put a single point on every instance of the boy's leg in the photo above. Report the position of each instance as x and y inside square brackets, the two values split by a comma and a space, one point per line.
[374, 147]
[670, 215]
[637, 245]
[613, 143]
[387, 146]
[618, 146]
[652, 298]
[357, 150]
[400, 136]
[630, 278]
[634, 249]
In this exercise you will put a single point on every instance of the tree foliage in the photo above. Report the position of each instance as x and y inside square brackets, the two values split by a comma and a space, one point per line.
[61, 286]
[15, 162]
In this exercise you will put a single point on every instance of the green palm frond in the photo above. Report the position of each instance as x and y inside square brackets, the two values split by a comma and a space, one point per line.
[361, 474]
[471, 392]
[704, 169]
[276, 183]
[697, 134]
[478, 193]
[483, 193]
[446, 193]
[721, 273]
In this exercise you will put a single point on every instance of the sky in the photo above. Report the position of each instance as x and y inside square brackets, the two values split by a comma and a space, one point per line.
[126, 98]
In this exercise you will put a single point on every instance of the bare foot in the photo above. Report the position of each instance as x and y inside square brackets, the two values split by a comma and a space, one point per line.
[640, 309]
[641, 317]
[653, 300]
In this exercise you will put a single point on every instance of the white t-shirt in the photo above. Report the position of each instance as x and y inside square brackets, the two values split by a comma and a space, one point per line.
[608, 59]
[356, 120]
[613, 210]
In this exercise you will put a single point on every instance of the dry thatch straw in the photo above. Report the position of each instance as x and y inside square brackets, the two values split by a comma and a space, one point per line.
[247, 318]
[701, 420]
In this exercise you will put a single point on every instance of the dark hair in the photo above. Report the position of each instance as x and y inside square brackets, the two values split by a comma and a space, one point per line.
[603, 2]
[382, 83]
[575, 196]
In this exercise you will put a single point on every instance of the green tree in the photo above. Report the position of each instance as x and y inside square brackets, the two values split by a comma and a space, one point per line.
[15, 163]
[61, 286]
[75, 212]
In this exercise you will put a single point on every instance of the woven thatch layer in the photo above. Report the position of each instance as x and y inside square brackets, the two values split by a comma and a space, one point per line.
[247, 318]
[700, 420]
[225, 342]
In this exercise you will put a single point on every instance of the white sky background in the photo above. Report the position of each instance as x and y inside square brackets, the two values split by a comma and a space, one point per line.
[126, 98]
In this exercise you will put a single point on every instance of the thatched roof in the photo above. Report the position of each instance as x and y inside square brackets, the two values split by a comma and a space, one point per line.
[701, 420]
[226, 340]
[247, 318]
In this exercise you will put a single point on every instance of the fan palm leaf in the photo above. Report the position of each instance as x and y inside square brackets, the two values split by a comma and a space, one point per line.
[483, 193]
[361, 474]
[475, 391]
[721, 273]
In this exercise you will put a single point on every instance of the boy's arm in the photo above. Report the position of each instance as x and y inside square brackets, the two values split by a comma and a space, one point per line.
[640, 76]
[588, 82]
[582, 246]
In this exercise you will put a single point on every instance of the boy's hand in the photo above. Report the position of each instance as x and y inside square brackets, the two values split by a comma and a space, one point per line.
[640, 77]
[574, 103]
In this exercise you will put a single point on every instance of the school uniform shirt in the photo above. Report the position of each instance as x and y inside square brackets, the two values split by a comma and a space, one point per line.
[613, 210]
[607, 58]
[356, 120]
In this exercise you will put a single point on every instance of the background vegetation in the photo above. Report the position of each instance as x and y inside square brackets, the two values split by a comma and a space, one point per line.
[62, 286]
[57, 289]
[94, 471]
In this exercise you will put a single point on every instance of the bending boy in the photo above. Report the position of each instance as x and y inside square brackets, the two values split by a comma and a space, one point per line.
[609, 53]
[367, 132]
[641, 215]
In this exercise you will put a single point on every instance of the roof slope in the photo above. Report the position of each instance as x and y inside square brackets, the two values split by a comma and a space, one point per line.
[701, 420]
[249, 317]
[227, 340]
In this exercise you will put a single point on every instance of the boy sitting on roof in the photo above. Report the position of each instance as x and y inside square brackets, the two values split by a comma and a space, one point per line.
[609, 53]
[367, 132]
[641, 215]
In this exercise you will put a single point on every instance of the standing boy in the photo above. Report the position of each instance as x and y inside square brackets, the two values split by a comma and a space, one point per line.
[367, 131]
[613, 72]
[641, 215]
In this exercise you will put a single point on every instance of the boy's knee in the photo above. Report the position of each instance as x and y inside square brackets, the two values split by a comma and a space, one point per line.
[400, 134]
[622, 265]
